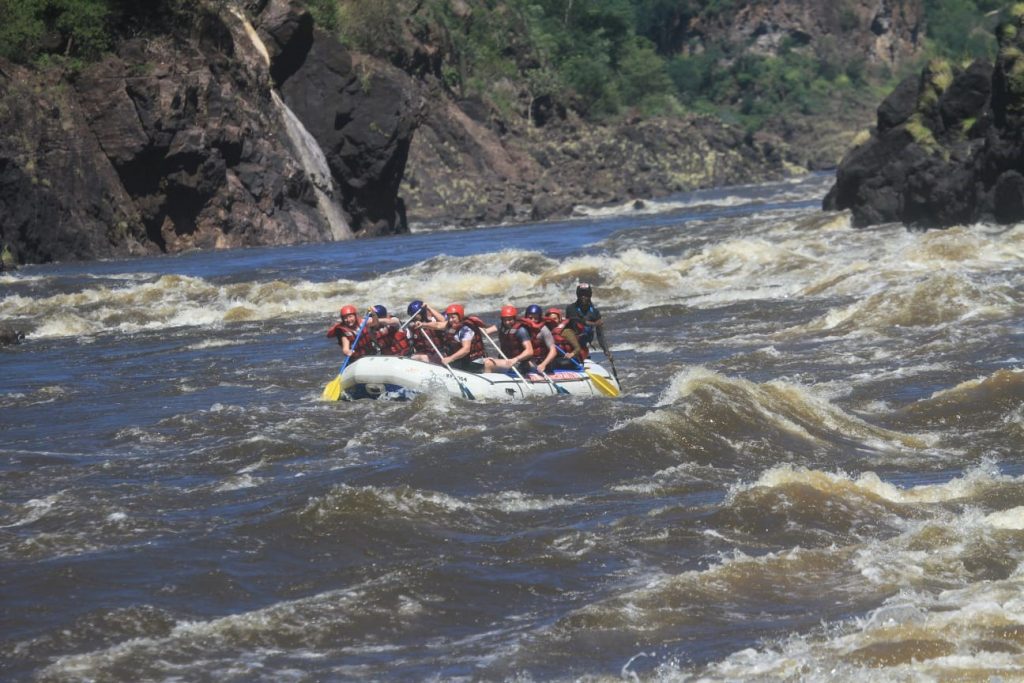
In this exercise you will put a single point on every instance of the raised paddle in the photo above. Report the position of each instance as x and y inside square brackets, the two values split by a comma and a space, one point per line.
[465, 390]
[603, 385]
[332, 392]
[558, 389]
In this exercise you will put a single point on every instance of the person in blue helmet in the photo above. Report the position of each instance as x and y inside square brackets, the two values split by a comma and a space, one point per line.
[421, 337]
[387, 333]
[544, 351]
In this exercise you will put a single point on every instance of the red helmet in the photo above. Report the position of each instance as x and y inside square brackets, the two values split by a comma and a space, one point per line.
[553, 311]
[456, 308]
[509, 311]
[348, 310]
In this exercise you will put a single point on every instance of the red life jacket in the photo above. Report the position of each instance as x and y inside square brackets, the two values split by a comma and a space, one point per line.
[540, 350]
[365, 346]
[509, 342]
[392, 341]
[421, 345]
[563, 343]
[452, 344]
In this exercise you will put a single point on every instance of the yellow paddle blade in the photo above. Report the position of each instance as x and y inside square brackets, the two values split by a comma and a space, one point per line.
[332, 392]
[603, 385]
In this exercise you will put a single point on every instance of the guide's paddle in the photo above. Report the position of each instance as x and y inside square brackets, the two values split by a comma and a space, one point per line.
[604, 349]
[603, 385]
[465, 390]
[332, 392]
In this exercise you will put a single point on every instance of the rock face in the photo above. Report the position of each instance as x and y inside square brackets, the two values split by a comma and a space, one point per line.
[468, 169]
[948, 148]
[176, 143]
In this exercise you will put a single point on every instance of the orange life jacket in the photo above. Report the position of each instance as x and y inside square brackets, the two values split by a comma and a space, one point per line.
[365, 347]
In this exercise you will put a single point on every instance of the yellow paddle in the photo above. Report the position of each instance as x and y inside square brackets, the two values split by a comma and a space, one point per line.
[332, 392]
[603, 385]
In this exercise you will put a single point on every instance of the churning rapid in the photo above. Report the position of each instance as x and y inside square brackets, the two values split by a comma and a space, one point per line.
[814, 471]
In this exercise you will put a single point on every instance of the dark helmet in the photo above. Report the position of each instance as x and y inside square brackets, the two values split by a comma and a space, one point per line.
[583, 289]
[380, 311]
[534, 310]
[414, 307]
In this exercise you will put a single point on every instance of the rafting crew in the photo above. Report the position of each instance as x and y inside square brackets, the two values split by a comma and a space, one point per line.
[536, 342]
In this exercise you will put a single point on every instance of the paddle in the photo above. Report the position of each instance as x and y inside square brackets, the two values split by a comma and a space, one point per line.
[558, 389]
[411, 318]
[603, 385]
[604, 349]
[465, 390]
[332, 392]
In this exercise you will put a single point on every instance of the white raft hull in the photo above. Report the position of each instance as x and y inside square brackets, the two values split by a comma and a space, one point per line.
[401, 378]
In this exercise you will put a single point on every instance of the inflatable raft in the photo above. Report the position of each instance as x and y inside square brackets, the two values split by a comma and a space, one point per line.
[398, 378]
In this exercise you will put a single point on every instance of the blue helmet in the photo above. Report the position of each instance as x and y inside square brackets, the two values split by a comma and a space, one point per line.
[414, 307]
[381, 311]
[534, 309]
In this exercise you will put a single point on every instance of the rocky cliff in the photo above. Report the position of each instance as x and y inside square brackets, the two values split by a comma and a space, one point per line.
[181, 141]
[467, 166]
[948, 147]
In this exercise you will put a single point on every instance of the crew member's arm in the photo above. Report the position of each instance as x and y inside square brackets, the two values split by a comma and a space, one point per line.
[549, 342]
[570, 336]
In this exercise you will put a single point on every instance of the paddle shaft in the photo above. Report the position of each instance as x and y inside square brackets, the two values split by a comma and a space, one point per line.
[604, 350]
[355, 343]
[498, 349]
[465, 390]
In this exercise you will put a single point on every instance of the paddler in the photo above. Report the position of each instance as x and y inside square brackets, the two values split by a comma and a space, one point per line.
[347, 330]
[461, 342]
[585, 318]
[515, 341]
[565, 339]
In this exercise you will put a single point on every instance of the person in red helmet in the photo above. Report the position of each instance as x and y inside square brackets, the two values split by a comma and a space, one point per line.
[565, 339]
[461, 341]
[515, 342]
[346, 332]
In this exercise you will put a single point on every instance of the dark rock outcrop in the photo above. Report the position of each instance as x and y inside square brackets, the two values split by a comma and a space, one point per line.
[948, 148]
[176, 142]
[472, 169]
[362, 111]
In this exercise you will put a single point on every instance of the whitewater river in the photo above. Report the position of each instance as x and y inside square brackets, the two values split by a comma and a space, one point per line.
[815, 471]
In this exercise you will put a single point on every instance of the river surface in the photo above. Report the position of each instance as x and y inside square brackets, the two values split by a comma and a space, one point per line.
[815, 471]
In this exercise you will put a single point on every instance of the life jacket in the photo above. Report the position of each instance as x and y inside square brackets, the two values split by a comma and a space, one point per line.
[452, 344]
[421, 345]
[540, 350]
[508, 341]
[365, 347]
[392, 341]
[563, 343]
[584, 332]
